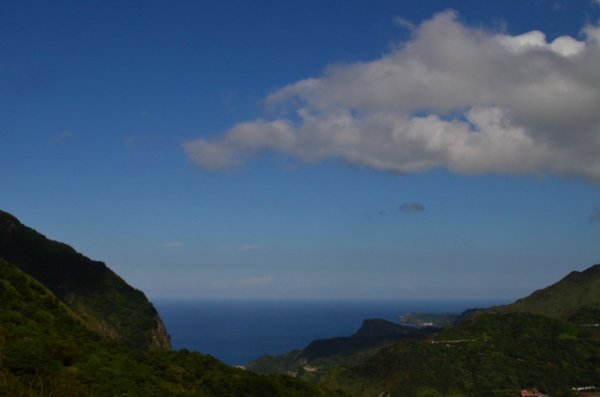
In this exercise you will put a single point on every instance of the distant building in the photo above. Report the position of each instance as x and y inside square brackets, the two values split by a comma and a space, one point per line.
[532, 393]
[584, 388]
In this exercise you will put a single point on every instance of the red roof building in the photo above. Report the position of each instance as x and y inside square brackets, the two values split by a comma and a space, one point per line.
[532, 393]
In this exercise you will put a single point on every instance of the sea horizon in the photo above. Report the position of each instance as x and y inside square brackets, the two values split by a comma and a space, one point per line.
[237, 331]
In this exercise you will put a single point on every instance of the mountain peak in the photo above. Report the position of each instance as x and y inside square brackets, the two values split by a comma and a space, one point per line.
[8, 217]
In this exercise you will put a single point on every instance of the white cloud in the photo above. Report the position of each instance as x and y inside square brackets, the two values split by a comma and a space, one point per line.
[564, 45]
[464, 99]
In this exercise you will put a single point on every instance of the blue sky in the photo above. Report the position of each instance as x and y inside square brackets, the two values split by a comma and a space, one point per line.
[304, 149]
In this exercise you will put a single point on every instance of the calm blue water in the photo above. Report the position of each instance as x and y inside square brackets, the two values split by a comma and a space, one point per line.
[236, 332]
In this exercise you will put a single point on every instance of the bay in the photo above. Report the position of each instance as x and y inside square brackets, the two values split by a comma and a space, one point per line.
[238, 331]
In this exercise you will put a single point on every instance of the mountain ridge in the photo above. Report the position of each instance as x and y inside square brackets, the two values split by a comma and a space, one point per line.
[576, 292]
[105, 302]
[489, 352]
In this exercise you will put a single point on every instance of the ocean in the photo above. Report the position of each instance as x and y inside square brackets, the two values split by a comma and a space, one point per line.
[237, 332]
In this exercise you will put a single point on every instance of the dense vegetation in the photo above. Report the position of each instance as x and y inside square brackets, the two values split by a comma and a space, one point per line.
[46, 350]
[105, 302]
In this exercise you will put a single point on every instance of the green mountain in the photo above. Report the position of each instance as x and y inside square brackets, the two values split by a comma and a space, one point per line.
[575, 297]
[429, 319]
[103, 300]
[490, 354]
[549, 341]
[373, 334]
[47, 348]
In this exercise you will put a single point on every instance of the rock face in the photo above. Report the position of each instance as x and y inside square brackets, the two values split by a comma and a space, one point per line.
[159, 337]
[102, 299]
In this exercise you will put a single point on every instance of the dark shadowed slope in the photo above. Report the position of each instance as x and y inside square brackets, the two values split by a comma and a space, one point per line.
[105, 302]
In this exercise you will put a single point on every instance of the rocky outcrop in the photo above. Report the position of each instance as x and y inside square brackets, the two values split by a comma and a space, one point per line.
[159, 337]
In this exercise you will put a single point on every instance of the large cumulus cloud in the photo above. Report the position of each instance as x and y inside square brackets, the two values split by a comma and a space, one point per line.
[455, 97]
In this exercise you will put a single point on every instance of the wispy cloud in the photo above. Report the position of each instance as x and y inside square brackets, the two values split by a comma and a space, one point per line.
[455, 97]
[172, 244]
[595, 216]
[257, 281]
[229, 100]
[64, 135]
[136, 140]
[376, 214]
[404, 23]
[411, 207]
[130, 140]
[250, 247]
[252, 283]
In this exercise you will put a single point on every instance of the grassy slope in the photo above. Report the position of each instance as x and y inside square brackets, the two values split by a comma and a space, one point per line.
[45, 350]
